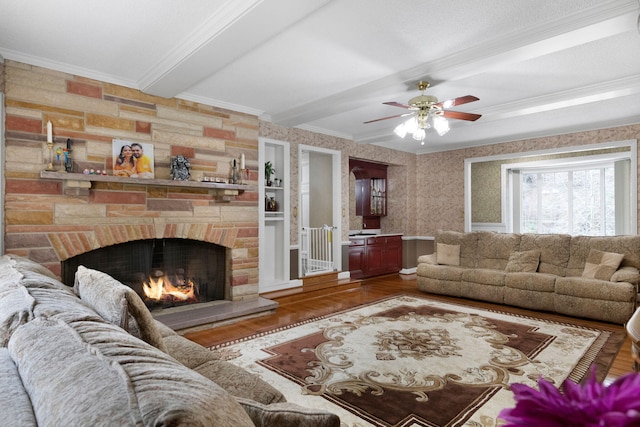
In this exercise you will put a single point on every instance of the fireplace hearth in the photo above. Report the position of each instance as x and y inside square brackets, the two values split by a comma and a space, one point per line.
[165, 273]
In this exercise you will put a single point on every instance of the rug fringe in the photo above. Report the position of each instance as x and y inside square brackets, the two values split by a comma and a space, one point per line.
[584, 364]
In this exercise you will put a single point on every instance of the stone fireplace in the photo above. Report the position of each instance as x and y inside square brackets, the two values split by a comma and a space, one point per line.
[165, 273]
[51, 217]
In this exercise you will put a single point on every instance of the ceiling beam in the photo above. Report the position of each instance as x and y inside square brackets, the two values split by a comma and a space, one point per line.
[235, 29]
[599, 22]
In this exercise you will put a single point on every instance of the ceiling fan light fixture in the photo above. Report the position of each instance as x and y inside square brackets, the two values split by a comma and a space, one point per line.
[427, 112]
[412, 124]
[440, 124]
[419, 134]
[401, 130]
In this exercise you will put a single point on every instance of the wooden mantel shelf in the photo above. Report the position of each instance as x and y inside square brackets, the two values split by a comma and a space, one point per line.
[80, 180]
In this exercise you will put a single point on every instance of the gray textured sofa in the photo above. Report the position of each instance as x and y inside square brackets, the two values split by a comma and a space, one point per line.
[590, 277]
[93, 355]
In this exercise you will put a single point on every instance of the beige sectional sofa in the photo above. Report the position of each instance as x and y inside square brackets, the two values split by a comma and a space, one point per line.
[582, 276]
[93, 355]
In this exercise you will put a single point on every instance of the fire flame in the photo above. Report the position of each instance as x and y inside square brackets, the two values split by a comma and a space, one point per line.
[162, 288]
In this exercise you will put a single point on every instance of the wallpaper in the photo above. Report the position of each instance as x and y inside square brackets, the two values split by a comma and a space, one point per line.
[400, 177]
[440, 176]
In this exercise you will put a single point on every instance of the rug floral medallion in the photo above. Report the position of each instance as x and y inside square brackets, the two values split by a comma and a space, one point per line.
[411, 361]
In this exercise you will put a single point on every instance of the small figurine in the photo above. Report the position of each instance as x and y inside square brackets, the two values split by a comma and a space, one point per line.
[180, 168]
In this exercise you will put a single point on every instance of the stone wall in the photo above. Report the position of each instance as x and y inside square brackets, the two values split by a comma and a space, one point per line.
[52, 220]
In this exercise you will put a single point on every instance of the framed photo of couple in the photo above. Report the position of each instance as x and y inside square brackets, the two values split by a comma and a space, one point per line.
[132, 159]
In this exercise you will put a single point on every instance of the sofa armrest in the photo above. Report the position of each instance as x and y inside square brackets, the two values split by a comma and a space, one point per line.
[427, 259]
[234, 379]
[626, 274]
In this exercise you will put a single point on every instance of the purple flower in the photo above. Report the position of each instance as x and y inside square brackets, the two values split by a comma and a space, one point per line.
[590, 405]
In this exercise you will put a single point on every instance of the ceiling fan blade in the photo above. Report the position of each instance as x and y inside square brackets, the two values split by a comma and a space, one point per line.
[390, 117]
[457, 101]
[396, 104]
[461, 116]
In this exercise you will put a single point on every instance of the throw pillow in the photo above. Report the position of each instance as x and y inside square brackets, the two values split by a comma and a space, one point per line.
[117, 304]
[287, 414]
[523, 262]
[601, 265]
[447, 254]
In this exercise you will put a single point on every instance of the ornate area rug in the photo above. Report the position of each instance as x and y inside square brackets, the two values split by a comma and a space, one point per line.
[411, 361]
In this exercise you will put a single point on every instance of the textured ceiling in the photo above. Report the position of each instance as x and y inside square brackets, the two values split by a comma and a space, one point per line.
[540, 67]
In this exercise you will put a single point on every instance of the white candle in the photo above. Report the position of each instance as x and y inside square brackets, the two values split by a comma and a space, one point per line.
[242, 161]
[49, 132]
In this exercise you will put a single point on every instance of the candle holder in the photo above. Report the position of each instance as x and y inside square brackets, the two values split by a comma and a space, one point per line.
[60, 158]
[50, 166]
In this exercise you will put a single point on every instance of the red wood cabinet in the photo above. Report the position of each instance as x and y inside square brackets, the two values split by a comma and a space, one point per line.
[371, 191]
[373, 256]
[357, 258]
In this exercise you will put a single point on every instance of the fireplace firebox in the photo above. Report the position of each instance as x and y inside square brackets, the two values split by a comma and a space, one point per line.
[164, 272]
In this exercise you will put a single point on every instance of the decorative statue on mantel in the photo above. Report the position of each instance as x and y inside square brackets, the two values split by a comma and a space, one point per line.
[180, 168]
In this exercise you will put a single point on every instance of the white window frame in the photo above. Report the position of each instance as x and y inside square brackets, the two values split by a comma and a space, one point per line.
[632, 155]
[557, 165]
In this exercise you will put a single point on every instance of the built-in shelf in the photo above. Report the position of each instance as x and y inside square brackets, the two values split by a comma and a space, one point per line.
[274, 216]
[274, 225]
[161, 182]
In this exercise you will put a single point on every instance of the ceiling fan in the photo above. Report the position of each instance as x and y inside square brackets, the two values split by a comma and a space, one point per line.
[427, 112]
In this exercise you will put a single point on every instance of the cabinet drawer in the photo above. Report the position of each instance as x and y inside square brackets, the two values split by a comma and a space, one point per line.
[356, 242]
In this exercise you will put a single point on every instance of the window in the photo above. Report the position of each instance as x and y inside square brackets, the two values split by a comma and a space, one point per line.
[582, 190]
[578, 201]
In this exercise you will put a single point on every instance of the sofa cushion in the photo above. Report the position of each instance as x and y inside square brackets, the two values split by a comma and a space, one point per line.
[595, 289]
[66, 383]
[26, 295]
[468, 243]
[447, 254]
[14, 400]
[16, 308]
[554, 251]
[627, 245]
[601, 265]
[117, 304]
[25, 266]
[8, 272]
[288, 414]
[440, 272]
[86, 372]
[523, 262]
[494, 249]
[484, 276]
[535, 282]
[231, 378]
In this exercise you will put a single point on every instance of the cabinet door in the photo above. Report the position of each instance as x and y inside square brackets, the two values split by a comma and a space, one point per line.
[371, 188]
[375, 263]
[357, 260]
[393, 254]
[362, 197]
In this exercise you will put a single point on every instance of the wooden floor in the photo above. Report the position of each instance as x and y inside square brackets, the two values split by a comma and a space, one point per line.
[296, 308]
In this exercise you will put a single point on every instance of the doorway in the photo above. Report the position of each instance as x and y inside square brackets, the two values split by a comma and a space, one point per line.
[320, 201]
